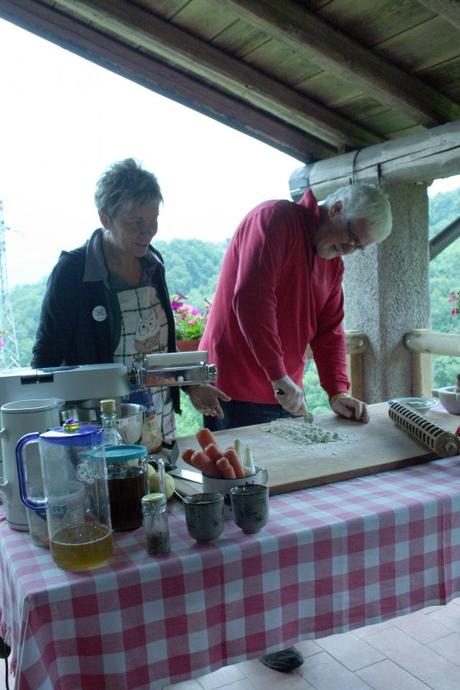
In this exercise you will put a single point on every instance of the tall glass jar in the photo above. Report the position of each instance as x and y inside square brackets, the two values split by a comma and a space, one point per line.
[156, 528]
[128, 482]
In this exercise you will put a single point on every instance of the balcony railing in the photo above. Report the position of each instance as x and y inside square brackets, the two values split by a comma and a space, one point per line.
[422, 343]
[357, 344]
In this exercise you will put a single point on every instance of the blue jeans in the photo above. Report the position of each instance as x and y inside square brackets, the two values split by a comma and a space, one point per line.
[240, 413]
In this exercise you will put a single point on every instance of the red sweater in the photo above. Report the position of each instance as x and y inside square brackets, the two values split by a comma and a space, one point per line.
[274, 297]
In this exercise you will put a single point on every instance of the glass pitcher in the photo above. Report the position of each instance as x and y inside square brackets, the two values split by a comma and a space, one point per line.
[76, 495]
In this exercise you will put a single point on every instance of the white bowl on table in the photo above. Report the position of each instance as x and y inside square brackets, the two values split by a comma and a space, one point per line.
[449, 399]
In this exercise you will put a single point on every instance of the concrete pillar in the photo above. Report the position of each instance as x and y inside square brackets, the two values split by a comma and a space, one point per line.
[387, 293]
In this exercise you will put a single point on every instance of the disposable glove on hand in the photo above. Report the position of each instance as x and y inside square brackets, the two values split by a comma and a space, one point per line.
[351, 408]
[206, 400]
[290, 396]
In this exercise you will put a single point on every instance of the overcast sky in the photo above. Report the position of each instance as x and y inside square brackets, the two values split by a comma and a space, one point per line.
[63, 120]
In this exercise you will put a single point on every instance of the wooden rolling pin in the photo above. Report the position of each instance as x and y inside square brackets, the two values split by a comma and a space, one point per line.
[442, 442]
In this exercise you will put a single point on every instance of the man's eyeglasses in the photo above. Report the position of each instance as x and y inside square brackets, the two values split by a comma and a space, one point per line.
[353, 239]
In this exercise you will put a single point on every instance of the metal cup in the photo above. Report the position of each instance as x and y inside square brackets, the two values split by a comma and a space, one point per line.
[223, 486]
[250, 507]
[204, 515]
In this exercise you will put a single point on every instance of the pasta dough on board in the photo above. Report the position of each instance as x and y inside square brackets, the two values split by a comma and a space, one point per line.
[298, 431]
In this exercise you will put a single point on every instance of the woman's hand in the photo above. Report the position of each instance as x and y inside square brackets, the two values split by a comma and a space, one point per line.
[206, 400]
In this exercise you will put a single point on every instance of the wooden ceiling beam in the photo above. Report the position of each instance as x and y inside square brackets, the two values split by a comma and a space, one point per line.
[336, 52]
[158, 37]
[90, 44]
[447, 9]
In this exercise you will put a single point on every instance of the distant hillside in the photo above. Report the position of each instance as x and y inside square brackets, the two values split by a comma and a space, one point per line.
[444, 208]
[192, 267]
[444, 277]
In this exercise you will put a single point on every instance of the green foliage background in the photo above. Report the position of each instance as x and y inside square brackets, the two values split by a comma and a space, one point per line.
[193, 267]
[444, 277]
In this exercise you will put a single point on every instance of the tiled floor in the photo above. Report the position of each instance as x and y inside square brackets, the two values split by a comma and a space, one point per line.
[414, 652]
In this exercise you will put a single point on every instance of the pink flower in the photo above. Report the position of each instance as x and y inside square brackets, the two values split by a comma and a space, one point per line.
[453, 311]
[452, 298]
[189, 320]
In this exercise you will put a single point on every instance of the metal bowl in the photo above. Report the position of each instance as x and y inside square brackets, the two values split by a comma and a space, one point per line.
[417, 404]
[130, 420]
[130, 417]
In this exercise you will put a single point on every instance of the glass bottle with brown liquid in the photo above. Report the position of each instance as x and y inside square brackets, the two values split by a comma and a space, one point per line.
[128, 483]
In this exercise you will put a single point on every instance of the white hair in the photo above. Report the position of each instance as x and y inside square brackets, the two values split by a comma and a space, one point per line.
[367, 202]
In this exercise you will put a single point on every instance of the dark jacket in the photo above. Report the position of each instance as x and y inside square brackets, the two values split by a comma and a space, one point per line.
[79, 320]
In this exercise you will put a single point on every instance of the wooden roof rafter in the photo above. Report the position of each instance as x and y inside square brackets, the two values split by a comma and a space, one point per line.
[224, 72]
[315, 79]
[335, 51]
[106, 51]
[448, 9]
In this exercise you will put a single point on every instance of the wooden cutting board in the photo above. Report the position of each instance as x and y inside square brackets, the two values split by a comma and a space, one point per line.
[368, 448]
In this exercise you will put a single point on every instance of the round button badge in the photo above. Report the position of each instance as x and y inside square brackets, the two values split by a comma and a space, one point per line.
[99, 313]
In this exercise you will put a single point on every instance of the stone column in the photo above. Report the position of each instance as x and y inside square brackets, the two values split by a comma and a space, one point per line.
[387, 293]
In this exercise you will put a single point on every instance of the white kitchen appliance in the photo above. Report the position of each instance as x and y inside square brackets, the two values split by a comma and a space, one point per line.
[19, 418]
[69, 383]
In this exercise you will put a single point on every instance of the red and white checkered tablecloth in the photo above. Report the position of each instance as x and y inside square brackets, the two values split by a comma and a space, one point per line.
[330, 559]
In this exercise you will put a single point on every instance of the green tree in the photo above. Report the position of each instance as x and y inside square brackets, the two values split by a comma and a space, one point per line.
[444, 277]
[190, 420]
[26, 302]
[192, 267]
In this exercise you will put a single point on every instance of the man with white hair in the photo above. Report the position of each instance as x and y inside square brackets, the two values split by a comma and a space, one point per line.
[280, 290]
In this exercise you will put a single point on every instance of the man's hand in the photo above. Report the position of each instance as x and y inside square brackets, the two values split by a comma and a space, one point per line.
[351, 408]
[206, 400]
[290, 396]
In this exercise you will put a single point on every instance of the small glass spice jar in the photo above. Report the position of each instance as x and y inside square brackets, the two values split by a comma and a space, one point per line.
[155, 520]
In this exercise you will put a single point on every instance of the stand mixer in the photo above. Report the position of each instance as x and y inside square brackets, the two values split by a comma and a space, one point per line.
[72, 387]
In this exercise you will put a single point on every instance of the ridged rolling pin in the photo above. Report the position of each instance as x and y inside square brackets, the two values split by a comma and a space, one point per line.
[441, 441]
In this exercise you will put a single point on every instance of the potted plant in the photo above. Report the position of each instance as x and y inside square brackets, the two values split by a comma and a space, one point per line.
[189, 322]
